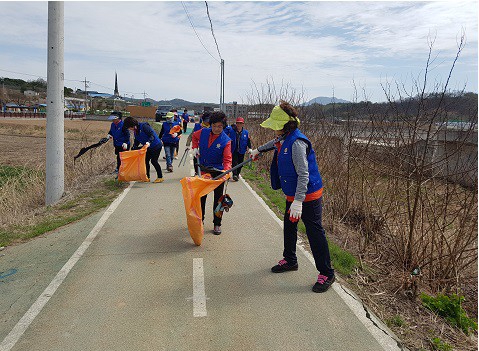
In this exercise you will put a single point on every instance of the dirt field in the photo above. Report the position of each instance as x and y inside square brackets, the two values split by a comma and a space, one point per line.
[23, 142]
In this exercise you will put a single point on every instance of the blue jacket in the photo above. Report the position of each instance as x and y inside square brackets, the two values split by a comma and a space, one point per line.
[242, 142]
[185, 117]
[197, 127]
[212, 156]
[119, 135]
[167, 138]
[283, 174]
[144, 134]
[230, 132]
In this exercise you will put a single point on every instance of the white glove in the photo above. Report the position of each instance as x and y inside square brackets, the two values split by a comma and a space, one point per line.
[174, 135]
[254, 154]
[295, 211]
[147, 144]
[109, 136]
[124, 146]
[194, 152]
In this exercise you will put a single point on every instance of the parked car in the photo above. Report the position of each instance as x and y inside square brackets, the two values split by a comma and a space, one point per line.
[161, 112]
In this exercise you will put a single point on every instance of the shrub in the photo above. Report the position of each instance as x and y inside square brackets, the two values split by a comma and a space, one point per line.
[450, 308]
[439, 345]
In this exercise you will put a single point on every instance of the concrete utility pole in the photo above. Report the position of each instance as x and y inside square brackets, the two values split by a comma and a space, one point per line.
[86, 96]
[222, 88]
[55, 105]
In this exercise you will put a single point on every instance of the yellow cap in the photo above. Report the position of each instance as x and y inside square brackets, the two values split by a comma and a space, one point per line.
[277, 119]
[169, 115]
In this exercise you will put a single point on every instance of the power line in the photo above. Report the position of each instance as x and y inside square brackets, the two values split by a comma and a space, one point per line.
[25, 74]
[192, 25]
[212, 32]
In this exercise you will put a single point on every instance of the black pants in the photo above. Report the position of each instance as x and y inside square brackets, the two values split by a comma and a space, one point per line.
[312, 219]
[237, 159]
[217, 194]
[185, 126]
[119, 149]
[153, 155]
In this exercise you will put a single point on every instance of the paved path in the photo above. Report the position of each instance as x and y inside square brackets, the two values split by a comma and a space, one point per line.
[143, 285]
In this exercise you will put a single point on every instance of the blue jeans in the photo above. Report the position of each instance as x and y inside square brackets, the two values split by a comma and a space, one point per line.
[169, 153]
[312, 219]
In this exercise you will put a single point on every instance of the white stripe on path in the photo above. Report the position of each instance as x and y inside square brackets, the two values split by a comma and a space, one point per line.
[199, 295]
[19, 329]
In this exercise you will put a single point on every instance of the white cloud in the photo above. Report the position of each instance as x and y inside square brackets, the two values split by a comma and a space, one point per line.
[318, 45]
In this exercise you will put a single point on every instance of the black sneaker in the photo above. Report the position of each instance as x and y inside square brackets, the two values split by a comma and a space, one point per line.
[217, 230]
[323, 283]
[284, 266]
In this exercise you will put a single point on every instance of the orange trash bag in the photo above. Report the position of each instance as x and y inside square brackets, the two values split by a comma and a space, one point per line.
[175, 129]
[193, 189]
[133, 166]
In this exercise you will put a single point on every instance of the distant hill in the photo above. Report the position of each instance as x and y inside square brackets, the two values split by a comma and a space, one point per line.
[323, 100]
[178, 103]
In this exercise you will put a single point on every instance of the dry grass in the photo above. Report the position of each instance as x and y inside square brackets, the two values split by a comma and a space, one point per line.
[360, 203]
[22, 195]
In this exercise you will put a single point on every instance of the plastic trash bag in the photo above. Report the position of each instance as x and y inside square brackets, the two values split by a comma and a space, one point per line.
[193, 189]
[133, 166]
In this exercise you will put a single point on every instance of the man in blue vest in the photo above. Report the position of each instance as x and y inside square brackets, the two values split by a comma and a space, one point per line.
[243, 144]
[169, 134]
[213, 148]
[121, 138]
[294, 170]
[186, 118]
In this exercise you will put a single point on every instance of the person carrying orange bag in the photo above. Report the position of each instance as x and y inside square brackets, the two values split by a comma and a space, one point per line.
[133, 166]
[213, 148]
[146, 136]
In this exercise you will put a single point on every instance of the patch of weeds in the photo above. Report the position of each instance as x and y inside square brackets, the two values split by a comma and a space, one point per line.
[60, 215]
[18, 173]
[439, 345]
[396, 321]
[343, 261]
[113, 184]
[450, 307]
[69, 205]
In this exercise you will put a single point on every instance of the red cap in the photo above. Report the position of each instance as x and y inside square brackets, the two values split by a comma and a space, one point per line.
[240, 120]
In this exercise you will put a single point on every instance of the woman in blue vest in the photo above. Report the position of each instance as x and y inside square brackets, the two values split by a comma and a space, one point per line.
[121, 138]
[243, 144]
[213, 147]
[145, 135]
[170, 140]
[295, 171]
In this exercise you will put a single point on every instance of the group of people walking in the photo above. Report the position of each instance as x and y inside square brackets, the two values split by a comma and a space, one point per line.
[215, 145]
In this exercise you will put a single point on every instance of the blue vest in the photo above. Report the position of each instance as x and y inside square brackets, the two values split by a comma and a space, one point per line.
[229, 131]
[243, 142]
[197, 127]
[167, 138]
[119, 135]
[142, 137]
[212, 156]
[283, 174]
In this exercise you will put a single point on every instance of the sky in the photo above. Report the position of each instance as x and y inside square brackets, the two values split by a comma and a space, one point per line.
[350, 50]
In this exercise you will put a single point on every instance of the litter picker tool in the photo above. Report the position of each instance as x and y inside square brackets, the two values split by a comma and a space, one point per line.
[183, 158]
[85, 149]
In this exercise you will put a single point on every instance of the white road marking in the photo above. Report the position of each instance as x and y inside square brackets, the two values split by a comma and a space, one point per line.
[199, 295]
[22, 325]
